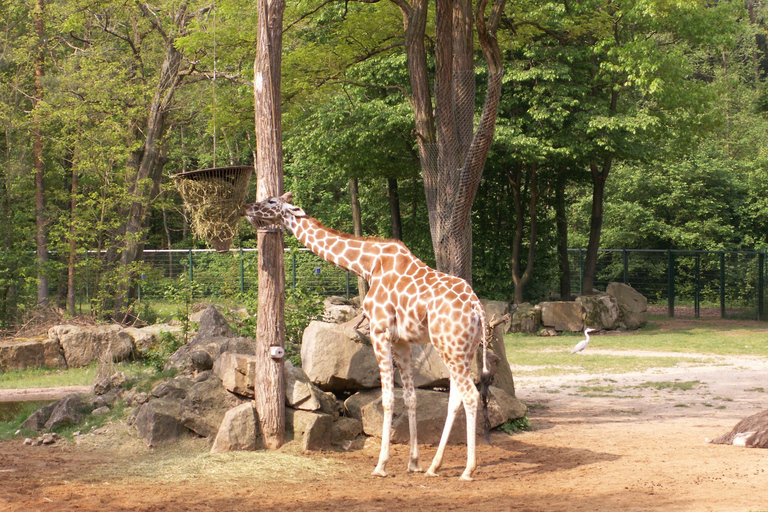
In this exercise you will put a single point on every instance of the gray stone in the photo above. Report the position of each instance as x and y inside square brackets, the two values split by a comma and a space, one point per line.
[100, 411]
[429, 370]
[159, 421]
[205, 405]
[239, 430]
[345, 429]
[108, 383]
[336, 357]
[19, 355]
[600, 311]
[497, 308]
[84, 344]
[39, 418]
[235, 373]
[145, 337]
[632, 305]
[338, 310]
[201, 360]
[174, 388]
[354, 404]
[301, 394]
[68, 411]
[562, 316]
[525, 318]
[312, 430]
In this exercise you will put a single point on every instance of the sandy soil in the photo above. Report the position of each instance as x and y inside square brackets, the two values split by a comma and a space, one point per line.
[600, 443]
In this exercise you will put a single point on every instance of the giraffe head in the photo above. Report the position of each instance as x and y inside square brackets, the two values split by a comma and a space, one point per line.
[272, 211]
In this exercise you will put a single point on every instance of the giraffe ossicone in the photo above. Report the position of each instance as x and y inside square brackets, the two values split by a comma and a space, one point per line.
[407, 302]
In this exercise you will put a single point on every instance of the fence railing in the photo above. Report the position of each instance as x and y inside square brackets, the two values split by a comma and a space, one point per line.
[725, 284]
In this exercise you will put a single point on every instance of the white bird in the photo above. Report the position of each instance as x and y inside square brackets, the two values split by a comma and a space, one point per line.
[583, 343]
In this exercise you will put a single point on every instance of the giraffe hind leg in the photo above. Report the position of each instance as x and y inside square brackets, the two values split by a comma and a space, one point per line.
[454, 403]
[382, 349]
[402, 355]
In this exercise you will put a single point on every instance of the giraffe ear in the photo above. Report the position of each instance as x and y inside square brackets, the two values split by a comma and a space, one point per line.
[295, 210]
[287, 197]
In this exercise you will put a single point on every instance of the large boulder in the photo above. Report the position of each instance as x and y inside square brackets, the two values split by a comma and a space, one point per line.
[205, 405]
[632, 305]
[431, 411]
[159, 421]
[19, 355]
[338, 310]
[525, 318]
[336, 357]
[144, 337]
[214, 337]
[429, 370]
[600, 311]
[311, 429]
[174, 388]
[84, 344]
[562, 315]
[497, 308]
[301, 394]
[38, 419]
[236, 372]
[239, 430]
[68, 411]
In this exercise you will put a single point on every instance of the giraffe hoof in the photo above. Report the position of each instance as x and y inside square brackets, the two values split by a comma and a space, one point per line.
[415, 468]
[466, 478]
[379, 472]
[431, 473]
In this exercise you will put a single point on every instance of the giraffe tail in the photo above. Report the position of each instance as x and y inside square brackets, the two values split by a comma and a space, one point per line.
[486, 379]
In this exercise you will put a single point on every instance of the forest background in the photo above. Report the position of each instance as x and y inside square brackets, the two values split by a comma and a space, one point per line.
[645, 117]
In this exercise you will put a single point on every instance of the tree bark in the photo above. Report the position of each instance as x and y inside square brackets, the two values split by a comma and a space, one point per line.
[561, 222]
[599, 177]
[357, 229]
[519, 280]
[269, 392]
[41, 235]
[394, 209]
[72, 245]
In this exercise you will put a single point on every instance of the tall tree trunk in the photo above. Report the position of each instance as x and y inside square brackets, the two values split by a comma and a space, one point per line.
[452, 160]
[41, 236]
[519, 280]
[357, 229]
[72, 245]
[394, 209]
[561, 221]
[144, 185]
[599, 176]
[270, 395]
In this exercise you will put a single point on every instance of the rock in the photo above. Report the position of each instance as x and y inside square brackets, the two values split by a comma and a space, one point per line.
[336, 358]
[548, 331]
[301, 394]
[238, 431]
[600, 311]
[525, 318]
[82, 345]
[562, 316]
[159, 421]
[100, 411]
[174, 388]
[632, 304]
[236, 372]
[499, 308]
[311, 429]
[205, 405]
[354, 404]
[49, 438]
[39, 418]
[429, 370]
[145, 337]
[201, 360]
[431, 411]
[212, 325]
[345, 429]
[108, 383]
[107, 398]
[31, 354]
[338, 310]
[139, 398]
[68, 411]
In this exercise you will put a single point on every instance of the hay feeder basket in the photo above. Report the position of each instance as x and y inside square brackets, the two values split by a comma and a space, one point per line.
[214, 199]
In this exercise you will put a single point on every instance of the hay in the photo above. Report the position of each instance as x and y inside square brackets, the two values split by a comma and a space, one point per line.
[214, 199]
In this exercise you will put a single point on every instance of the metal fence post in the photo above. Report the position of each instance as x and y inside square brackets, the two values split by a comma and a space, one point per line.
[760, 284]
[722, 284]
[671, 283]
[191, 272]
[242, 272]
[581, 272]
[87, 279]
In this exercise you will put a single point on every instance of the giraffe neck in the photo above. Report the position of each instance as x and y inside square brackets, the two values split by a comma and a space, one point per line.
[346, 251]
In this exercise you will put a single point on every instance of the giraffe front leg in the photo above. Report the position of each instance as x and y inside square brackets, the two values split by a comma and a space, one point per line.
[382, 348]
[470, 397]
[454, 402]
[402, 355]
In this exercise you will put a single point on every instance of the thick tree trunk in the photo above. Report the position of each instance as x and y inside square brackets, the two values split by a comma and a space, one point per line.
[41, 235]
[269, 392]
[394, 209]
[520, 281]
[561, 221]
[599, 176]
[72, 246]
[357, 229]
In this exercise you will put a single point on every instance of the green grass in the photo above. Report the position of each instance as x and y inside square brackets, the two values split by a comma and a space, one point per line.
[47, 377]
[680, 386]
[533, 355]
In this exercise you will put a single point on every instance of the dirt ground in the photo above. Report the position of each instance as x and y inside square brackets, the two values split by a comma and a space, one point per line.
[599, 443]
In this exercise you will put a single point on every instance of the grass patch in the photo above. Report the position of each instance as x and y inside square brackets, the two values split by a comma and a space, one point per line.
[55, 377]
[758, 390]
[676, 385]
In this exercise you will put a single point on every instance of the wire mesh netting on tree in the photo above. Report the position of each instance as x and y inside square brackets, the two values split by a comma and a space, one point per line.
[214, 200]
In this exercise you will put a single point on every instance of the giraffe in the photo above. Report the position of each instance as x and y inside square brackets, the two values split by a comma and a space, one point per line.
[407, 302]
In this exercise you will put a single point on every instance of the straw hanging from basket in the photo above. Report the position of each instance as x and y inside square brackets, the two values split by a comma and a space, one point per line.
[215, 199]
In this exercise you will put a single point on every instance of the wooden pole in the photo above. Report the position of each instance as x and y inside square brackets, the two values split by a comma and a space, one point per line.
[270, 331]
